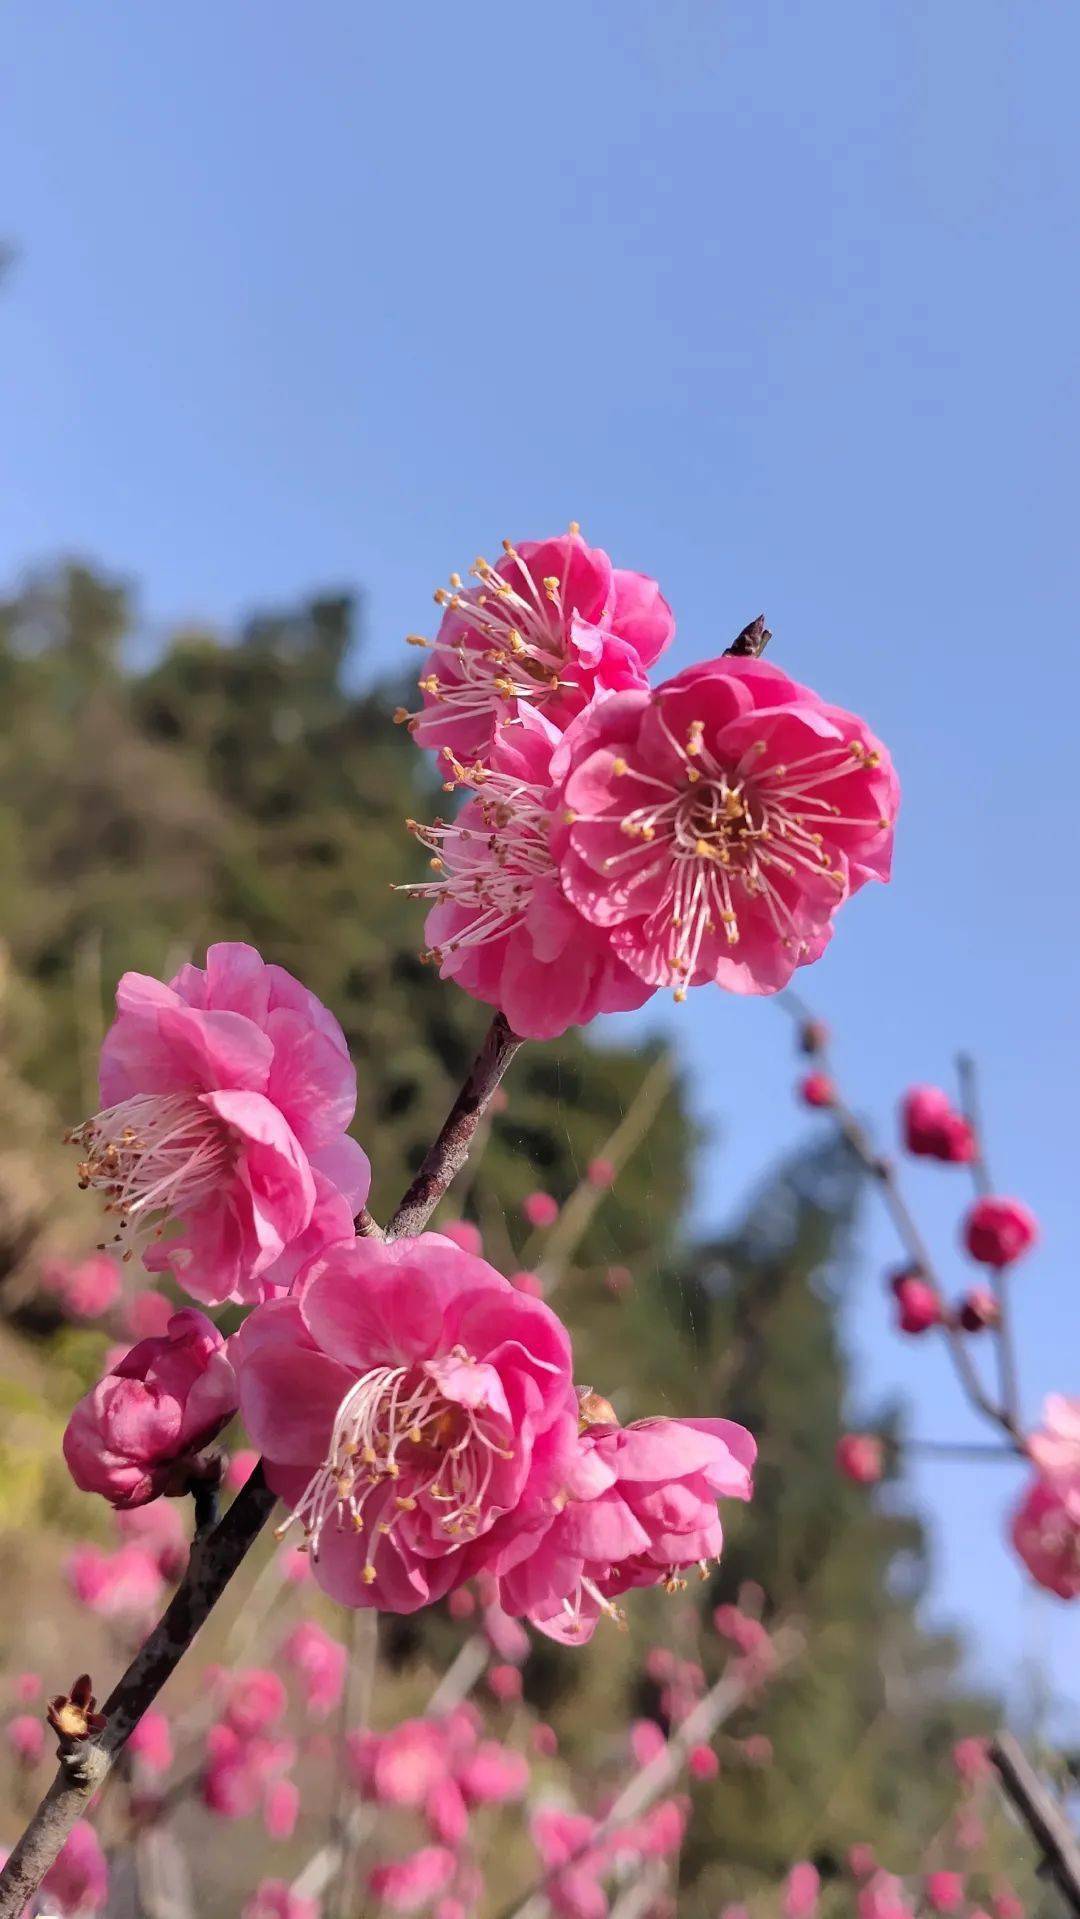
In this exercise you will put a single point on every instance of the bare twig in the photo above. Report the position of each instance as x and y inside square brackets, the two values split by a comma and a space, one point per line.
[1041, 1814]
[573, 1221]
[1004, 1333]
[215, 1558]
[451, 1149]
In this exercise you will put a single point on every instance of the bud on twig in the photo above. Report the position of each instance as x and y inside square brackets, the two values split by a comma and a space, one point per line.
[73, 1715]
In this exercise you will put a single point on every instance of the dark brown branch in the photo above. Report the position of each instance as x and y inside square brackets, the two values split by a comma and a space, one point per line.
[451, 1149]
[1041, 1814]
[216, 1556]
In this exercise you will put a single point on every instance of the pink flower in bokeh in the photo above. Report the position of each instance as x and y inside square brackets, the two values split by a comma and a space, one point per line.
[646, 1740]
[883, 1897]
[407, 1885]
[147, 1314]
[545, 1740]
[319, 1661]
[240, 1468]
[463, 1233]
[79, 1878]
[134, 1436]
[971, 1760]
[499, 922]
[256, 1701]
[918, 1305]
[713, 827]
[28, 1686]
[997, 1231]
[862, 1860]
[25, 1736]
[492, 1774]
[817, 1089]
[1046, 1534]
[944, 1891]
[86, 1287]
[703, 1763]
[115, 1585]
[281, 1809]
[151, 1742]
[226, 1095]
[275, 1899]
[507, 1636]
[540, 1209]
[530, 1283]
[504, 1683]
[405, 1398]
[932, 1128]
[1055, 1446]
[544, 629]
[637, 1505]
[860, 1457]
[160, 1530]
[1006, 1905]
[802, 1889]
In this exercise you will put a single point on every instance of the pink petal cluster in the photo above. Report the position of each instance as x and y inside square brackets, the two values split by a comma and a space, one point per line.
[160, 1530]
[552, 624]
[802, 1890]
[319, 1662]
[440, 1768]
[86, 1288]
[715, 826]
[944, 1891]
[997, 1231]
[406, 1398]
[636, 1507]
[25, 1735]
[78, 1880]
[1046, 1526]
[127, 1583]
[244, 1766]
[226, 1095]
[407, 1885]
[136, 1433]
[932, 1128]
[918, 1305]
[860, 1457]
[275, 1899]
[577, 1856]
[151, 1743]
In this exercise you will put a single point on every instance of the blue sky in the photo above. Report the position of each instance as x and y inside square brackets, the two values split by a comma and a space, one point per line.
[779, 301]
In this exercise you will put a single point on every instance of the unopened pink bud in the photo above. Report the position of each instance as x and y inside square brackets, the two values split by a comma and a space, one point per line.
[817, 1089]
[944, 1891]
[540, 1209]
[920, 1307]
[702, 1763]
[997, 1231]
[860, 1457]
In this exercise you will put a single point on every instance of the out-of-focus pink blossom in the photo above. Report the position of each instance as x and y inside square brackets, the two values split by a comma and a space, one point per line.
[126, 1582]
[757, 1750]
[618, 1279]
[969, 1832]
[714, 827]
[1046, 1534]
[1006, 1905]
[148, 1313]
[971, 1760]
[78, 1879]
[646, 1740]
[1055, 1446]
[226, 1095]
[600, 1172]
[319, 1661]
[540, 1209]
[87, 1287]
[918, 1304]
[530, 1283]
[944, 1891]
[545, 629]
[25, 1736]
[545, 1740]
[407, 1885]
[882, 1897]
[28, 1686]
[703, 1763]
[817, 1089]
[134, 1436]
[160, 1530]
[281, 1808]
[256, 1701]
[406, 1385]
[862, 1860]
[741, 1628]
[932, 1128]
[151, 1742]
[240, 1468]
[641, 1503]
[860, 1457]
[294, 1564]
[802, 1889]
[997, 1231]
[445, 1813]
[504, 1683]
[492, 1774]
[507, 1636]
[275, 1899]
[462, 1232]
[461, 1604]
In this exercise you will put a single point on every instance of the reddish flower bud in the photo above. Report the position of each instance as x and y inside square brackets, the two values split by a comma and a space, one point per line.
[932, 1128]
[703, 1763]
[997, 1231]
[978, 1309]
[944, 1891]
[540, 1209]
[73, 1715]
[817, 1089]
[920, 1307]
[860, 1457]
[600, 1173]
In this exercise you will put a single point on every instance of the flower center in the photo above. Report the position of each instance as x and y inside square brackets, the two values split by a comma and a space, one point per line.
[397, 1436]
[155, 1157]
[723, 837]
[512, 647]
[490, 859]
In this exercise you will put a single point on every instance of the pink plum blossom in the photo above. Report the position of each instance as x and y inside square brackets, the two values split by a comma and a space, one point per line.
[646, 1740]
[860, 1457]
[971, 1760]
[409, 1884]
[713, 828]
[405, 1399]
[540, 1209]
[883, 1897]
[25, 1735]
[275, 1899]
[125, 1583]
[702, 1763]
[918, 1305]
[87, 1288]
[148, 1313]
[463, 1233]
[500, 923]
[979, 1309]
[545, 1740]
[944, 1891]
[160, 1530]
[637, 1507]
[1046, 1534]
[256, 1702]
[1055, 1446]
[79, 1877]
[135, 1435]
[226, 1095]
[28, 1686]
[504, 1683]
[997, 1231]
[319, 1661]
[240, 1468]
[543, 630]
[932, 1128]
[281, 1809]
[151, 1742]
[802, 1889]
[817, 1089]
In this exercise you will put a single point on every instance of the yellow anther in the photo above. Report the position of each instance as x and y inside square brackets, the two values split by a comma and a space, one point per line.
[569, 816]
[679, 995]
[619, 766]
[550, 585]
[455, 581]
[441, 596]
[415, 1435]
[574, 528]
[405, 1503]
[369, 1575]
[358, 1522]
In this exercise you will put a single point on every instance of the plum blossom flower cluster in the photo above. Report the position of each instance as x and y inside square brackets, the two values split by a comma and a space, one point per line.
[618, 837]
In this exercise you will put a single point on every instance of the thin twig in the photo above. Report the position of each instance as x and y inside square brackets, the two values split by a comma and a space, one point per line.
[573, 1221]
[451, 1149]
[1004, 1333]
[214, 1559]
[1041, 1814]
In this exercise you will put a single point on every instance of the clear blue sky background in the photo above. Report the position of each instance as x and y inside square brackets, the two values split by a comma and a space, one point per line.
[780, 302]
